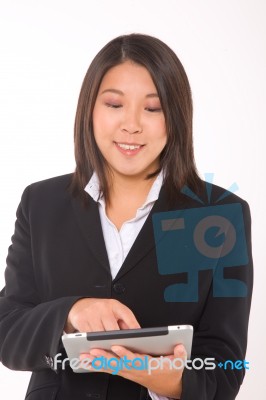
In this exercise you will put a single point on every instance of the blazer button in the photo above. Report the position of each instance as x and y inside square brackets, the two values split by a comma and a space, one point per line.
[119, 288]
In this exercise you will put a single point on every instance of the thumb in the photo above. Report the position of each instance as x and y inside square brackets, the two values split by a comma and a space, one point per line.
[180, 352]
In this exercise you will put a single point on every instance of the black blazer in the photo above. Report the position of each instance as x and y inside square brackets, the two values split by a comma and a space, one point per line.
[58, 255]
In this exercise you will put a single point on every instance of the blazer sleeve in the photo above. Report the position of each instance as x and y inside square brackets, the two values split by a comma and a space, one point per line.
[30, 330]
[222, 334]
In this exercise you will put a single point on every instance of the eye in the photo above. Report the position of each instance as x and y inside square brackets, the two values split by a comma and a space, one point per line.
[153, 109]
[113, 105]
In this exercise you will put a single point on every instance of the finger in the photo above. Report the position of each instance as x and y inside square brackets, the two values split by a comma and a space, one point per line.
[100, 353]
[122, 324]
[180, 351]
[109, 322]
[83, 356]
[104, 361]
[105, 322]
[121, 351]
[126, 316]
[135, 365]
[95, 324]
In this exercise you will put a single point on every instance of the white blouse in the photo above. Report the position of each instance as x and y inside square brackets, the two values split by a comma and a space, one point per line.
[119, 242]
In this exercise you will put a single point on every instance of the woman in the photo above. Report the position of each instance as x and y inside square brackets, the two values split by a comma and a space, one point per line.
[84, 255]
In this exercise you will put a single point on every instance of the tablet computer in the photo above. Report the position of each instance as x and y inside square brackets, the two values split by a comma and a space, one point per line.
[156, 341]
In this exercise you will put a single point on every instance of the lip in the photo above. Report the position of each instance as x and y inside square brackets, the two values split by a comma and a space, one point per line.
[129, 152]
[130, 143]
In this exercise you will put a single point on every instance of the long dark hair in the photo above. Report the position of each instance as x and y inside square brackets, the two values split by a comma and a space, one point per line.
[171, 82]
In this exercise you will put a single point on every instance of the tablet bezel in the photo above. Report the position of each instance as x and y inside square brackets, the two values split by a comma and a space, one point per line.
[157, 341]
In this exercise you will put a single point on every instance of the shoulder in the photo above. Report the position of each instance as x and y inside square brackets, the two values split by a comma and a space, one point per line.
[217, 200]
[210, 197]
[217, 195]
[48, 191]
[56, 183]
[211, 194]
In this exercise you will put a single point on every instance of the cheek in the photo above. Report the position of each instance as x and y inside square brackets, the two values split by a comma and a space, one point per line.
[103, 124]
[163, 135]
[99, 127]
[162, 128]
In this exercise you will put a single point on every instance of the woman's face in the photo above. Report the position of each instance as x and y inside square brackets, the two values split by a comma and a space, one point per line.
[128, 122]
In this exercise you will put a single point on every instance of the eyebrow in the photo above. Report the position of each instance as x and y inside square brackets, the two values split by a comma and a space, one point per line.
[116, 91]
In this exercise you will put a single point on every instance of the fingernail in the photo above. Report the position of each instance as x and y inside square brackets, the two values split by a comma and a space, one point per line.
[95, 352]
[116, 350]
[83, 356]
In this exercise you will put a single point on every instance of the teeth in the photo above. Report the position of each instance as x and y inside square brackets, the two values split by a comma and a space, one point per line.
[128, 147]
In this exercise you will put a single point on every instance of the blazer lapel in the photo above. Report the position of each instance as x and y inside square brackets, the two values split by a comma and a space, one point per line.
[144, 242]
[90, 225]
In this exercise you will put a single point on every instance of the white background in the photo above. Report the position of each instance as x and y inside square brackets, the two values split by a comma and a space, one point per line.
[45, 49]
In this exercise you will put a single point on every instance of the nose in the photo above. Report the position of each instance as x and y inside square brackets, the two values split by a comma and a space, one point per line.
[131, 122]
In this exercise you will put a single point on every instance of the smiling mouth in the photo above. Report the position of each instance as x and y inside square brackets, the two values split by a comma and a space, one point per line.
[129, 146]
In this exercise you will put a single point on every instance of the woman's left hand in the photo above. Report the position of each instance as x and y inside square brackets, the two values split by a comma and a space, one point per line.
[160, 375]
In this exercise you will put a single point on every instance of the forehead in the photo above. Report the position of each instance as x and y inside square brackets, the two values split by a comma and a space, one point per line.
[128, 75]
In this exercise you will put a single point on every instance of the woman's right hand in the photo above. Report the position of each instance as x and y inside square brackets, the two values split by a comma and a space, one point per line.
[94, 315]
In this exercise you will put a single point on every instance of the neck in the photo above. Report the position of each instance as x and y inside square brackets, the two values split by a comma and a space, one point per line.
[130, 188]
